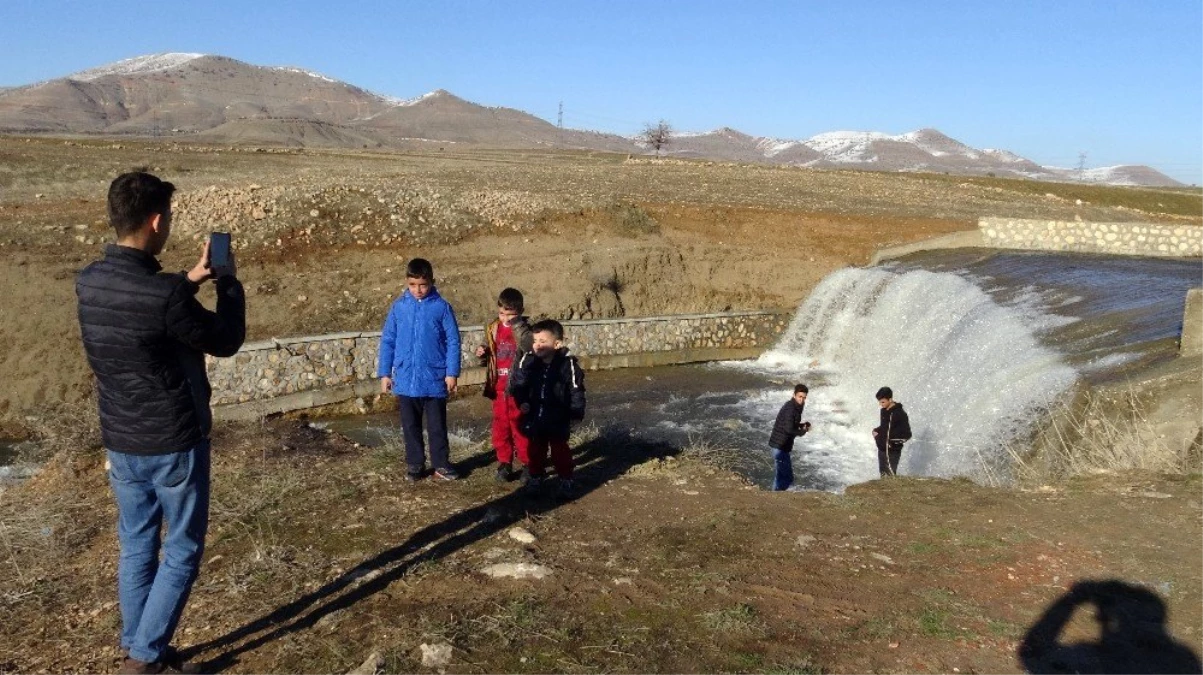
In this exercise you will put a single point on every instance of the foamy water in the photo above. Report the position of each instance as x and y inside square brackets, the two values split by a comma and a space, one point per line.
[970, 372]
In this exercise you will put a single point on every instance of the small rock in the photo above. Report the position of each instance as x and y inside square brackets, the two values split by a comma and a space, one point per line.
[522, 535]
[435, 656]
[804, 540]
[883, 557]
[516, 571]
[371, 666]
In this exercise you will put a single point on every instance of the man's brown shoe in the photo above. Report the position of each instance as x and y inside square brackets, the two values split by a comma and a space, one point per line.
[171, 662]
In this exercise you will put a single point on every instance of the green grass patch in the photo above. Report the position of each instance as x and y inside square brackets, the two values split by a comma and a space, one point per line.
[740, 619]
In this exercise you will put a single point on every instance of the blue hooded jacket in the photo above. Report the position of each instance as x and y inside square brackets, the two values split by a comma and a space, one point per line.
[419, 345]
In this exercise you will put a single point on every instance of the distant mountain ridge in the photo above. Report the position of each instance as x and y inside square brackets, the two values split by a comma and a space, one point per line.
[219, 99]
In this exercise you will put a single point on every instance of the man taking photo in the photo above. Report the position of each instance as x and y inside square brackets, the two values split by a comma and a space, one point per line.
[146, 336]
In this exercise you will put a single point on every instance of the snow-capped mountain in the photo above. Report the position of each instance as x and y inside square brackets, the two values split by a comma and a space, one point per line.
[219, 99]
[925, 150]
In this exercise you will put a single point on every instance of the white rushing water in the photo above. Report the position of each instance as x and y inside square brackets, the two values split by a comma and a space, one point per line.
[969, 371]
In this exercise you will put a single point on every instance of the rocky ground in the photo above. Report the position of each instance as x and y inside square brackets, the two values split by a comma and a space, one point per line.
[322, 559]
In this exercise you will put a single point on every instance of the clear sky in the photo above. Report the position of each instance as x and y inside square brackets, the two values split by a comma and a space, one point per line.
[1121, 80]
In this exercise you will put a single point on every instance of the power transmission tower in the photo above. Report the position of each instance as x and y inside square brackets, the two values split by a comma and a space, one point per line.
[1082, 166]
[560, 117]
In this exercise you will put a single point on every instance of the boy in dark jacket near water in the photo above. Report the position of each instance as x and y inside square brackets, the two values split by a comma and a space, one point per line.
[549, 387]
[420, 364]
[894, 430]
[786, 428]
[505, 339]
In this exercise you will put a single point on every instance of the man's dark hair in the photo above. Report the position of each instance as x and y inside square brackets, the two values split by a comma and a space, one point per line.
[548, 326]
[801, 389]
[419, 268]
[134, 197]
[511, 299]
[885, 392]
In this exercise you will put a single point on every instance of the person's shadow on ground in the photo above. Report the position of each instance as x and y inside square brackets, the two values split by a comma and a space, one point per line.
[1132, 634]
[598, 461]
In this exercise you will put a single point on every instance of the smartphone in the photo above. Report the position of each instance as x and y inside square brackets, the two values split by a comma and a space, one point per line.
[219, 250]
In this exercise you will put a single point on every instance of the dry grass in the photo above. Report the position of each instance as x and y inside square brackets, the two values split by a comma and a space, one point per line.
[1097, 433]
[72, 428]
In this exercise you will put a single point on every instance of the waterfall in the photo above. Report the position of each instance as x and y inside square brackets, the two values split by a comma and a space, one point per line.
[970, 372]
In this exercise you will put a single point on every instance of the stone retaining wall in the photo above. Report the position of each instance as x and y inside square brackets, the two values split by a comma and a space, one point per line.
[296, 369]
[1148, 239]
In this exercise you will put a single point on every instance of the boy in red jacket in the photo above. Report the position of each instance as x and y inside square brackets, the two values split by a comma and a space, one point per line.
[505, 338]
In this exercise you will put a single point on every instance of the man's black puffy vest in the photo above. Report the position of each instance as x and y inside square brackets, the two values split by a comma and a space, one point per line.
[145, 336]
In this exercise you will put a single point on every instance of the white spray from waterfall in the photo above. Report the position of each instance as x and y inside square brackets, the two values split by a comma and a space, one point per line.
[969, 371]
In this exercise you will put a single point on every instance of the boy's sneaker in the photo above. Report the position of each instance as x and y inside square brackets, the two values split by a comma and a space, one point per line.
[532, 484]
[503, 473]
[446, 474]
[567, 489]
[413, 475]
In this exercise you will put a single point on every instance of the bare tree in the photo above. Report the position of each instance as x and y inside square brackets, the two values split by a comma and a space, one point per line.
[658, 135]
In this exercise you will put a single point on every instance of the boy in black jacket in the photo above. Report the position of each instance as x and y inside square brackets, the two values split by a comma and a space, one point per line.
[894, 430]
[548, 385]
[789, 425]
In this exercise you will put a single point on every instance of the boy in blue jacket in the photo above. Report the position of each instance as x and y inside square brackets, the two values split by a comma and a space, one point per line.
[420, 364]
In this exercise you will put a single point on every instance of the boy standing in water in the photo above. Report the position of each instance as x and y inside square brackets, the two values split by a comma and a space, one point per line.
[419, 363]
[786, 428]
[549, 387]
[894, 430]
[505, 338]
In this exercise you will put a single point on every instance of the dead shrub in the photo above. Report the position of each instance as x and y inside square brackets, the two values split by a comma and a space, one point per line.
[1098, 433]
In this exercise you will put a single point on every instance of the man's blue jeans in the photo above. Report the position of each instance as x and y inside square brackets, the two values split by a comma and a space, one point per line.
[153, 491]
[784, 469]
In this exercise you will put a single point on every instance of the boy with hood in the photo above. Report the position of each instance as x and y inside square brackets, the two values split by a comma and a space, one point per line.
[420, 364]
[894, 430]
[505, 339]
[787, 427]
[549, 387]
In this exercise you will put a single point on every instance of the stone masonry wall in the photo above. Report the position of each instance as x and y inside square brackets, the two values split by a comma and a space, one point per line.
[1149, 239]
[279, 367]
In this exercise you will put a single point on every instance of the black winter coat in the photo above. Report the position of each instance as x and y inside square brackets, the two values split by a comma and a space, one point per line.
[895, 424]
[554, 391]
[788, 426]
[145, 335]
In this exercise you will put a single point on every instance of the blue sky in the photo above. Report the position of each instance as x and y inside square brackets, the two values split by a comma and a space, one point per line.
[1120, 80]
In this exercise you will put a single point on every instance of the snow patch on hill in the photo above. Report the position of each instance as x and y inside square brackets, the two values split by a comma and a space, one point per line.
[846, 146]
[302, 71]
[139, 64]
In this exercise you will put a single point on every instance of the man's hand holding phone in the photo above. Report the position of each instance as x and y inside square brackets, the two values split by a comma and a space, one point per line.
[216, 250]
[221, 254]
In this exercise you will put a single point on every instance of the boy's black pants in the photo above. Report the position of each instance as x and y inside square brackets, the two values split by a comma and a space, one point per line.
[434, 410]
[887, 458]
